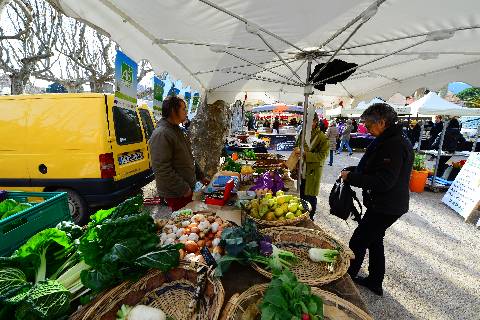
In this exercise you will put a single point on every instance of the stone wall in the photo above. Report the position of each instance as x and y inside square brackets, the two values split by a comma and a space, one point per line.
[208, 132]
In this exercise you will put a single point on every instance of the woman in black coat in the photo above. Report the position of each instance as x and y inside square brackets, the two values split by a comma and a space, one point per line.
[453, 138]
[383, 173]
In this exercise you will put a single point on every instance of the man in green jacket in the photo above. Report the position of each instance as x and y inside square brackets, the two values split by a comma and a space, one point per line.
[313, 160]
[171, 156]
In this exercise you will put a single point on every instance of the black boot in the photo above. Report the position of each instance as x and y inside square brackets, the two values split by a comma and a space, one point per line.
[365, 282]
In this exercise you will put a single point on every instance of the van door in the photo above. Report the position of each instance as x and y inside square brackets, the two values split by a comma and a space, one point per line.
[14, 157]
[129, 146]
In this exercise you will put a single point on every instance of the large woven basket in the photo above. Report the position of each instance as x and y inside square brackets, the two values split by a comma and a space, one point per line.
[280, 223]
[334, 308]
[171, 292]
[299, 241]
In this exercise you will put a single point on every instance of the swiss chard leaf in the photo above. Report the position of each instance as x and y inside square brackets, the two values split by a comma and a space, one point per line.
[12, 280]
[128, 207]
[164, 259]
[35, 249]
[101, 215]
[99, 279]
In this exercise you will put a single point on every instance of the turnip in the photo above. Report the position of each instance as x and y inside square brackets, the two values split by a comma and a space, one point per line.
[140, 312]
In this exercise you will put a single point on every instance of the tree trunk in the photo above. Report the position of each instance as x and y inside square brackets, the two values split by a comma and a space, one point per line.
[18, 82]
[101, 87]
[207, 133]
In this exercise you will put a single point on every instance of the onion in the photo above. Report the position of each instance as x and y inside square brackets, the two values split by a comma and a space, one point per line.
[215, 242]
[185, 223]
[215, 226]
[183, 238]
[201, 243]
[179, 232]
[194, 230]
[193, 236]
[191, 246]
[208, 243]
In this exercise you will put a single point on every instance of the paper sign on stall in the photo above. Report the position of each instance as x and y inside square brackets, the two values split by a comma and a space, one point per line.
[464, 193]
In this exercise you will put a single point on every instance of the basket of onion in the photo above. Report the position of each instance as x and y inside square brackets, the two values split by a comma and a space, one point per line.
[196, 232]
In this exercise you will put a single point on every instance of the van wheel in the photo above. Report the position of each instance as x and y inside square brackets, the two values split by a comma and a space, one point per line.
[77, 206]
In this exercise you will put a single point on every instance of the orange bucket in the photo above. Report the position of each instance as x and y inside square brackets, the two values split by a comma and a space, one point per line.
[418, 179]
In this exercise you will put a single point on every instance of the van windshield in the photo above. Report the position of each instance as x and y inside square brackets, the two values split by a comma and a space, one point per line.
[147, 123]
[127, 126]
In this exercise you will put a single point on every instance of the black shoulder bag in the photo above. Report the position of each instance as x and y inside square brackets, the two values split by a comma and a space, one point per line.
[342, 201]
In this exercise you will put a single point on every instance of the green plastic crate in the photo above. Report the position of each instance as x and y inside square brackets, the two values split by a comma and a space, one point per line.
[49, 208]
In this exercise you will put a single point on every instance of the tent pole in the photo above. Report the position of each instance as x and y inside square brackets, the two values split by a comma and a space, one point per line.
[439, 153]
[307, 92]
[422, 130]
[477, 136]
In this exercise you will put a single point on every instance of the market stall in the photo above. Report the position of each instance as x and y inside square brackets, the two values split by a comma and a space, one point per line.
[198, 263]
[432, 104]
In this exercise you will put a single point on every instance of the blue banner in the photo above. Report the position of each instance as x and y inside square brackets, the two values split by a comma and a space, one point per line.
[195, 102]
[125, 81]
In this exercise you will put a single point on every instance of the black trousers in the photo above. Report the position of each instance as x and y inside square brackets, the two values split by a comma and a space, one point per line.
[311, 199]
[369, 235]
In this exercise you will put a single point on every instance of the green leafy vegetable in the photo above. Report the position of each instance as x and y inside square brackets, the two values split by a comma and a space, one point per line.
[49, 299]
[12, 280]
[72, 230]
[36, 248]
[7, 205]
[164, 259]
[243, 244]
[286, 298]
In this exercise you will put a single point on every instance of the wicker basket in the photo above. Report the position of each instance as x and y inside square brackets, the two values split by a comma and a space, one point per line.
[299, 241]
[280, 223]
[171, 292]
[334, 308]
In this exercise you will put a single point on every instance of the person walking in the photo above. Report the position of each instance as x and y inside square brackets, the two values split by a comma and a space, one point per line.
[383, 173]
[171, 155]
[332, 135]
[313, 160]
[345, 138]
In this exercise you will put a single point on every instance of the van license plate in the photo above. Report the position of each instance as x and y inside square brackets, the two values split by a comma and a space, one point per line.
[131, 157]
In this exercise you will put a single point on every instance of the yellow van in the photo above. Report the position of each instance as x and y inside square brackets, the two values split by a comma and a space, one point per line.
[78, 143]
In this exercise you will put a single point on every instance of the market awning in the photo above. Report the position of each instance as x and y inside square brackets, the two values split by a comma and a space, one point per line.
[432, 104]
[260, 46]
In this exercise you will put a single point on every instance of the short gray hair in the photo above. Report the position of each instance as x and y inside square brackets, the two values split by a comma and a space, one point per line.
[381, 111]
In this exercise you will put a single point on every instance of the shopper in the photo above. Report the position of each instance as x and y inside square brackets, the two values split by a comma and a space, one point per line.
[276, 126]
[354, 126]
[436, 130]
[383, 173]
[332, 135]
[313, 160]
[345, 138]
[452, 140]
[361, 128]
[171, 156]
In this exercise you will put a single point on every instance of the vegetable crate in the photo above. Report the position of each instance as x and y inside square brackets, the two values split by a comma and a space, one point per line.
[49, 208]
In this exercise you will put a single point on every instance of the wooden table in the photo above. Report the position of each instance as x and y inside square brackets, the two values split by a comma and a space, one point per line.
[241, 277]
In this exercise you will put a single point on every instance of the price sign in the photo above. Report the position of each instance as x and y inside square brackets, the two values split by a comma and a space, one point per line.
[463, 195]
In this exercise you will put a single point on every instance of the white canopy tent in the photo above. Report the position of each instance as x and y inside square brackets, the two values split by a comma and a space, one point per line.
[230, 46]
[432, 104]
[241, 45]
